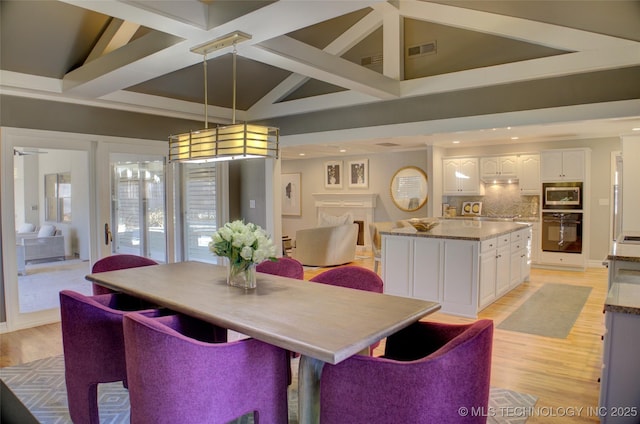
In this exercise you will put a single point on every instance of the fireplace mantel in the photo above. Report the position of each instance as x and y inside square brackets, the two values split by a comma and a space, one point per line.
[360, 205]
[345, 200]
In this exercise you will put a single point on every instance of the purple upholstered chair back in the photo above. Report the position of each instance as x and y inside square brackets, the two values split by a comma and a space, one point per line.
[93, 345]
[176, 376]
[351, 276]
[114, 262]
[285, 267]
[428, 373]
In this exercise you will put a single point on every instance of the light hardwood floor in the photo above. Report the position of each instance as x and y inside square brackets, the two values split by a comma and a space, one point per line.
[562, 373]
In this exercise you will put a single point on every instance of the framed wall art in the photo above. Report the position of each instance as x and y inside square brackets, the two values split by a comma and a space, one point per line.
[333, 174]
[291, 204]
[358, 173]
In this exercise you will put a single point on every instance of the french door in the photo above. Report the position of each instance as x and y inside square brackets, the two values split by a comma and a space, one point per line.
[138, 207]
[134, 203]
[116, 201]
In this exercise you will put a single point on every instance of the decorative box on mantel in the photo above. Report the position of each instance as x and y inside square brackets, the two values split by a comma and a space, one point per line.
[360, 205]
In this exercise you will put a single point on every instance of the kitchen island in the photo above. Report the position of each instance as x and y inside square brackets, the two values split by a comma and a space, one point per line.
[465, 265]
[619, 389]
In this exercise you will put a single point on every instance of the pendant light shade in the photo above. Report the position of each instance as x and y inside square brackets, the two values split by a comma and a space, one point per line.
[235, 141]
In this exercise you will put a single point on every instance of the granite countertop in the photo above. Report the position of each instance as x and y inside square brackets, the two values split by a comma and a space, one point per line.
[623, 298]
[625, 251]
[462, 229]
[495, 218]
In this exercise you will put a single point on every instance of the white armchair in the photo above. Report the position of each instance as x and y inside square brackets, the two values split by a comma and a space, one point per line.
[326, 246]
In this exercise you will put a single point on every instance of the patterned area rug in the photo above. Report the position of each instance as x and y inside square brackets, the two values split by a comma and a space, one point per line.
[40, 386]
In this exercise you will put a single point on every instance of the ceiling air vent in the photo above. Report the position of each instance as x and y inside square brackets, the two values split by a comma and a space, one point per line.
[430, 47]
[388, 144]
[375, 59]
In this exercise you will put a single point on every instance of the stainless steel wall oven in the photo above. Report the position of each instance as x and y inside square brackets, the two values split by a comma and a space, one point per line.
[562, 232]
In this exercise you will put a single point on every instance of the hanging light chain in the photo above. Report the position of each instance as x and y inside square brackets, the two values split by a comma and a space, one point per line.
[206, 91]
[235, 54]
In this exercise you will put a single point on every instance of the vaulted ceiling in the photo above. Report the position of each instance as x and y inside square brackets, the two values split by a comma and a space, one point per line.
[307, 57]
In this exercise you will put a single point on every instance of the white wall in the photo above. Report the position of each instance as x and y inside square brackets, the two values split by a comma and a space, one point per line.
[382, 167]
[630, 179]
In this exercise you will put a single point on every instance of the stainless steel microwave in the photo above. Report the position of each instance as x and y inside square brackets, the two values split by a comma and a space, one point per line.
[562, 195]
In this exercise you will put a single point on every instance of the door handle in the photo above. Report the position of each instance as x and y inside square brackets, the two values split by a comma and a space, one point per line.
[108, 237]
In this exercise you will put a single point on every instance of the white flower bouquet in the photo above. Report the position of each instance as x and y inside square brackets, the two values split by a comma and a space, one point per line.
[244, 244]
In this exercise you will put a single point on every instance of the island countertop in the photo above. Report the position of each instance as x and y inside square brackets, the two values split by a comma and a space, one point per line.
[623, 298]
[629, 252]
[462, 230]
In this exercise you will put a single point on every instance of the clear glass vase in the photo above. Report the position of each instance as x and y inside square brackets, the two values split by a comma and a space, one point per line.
[242, 275]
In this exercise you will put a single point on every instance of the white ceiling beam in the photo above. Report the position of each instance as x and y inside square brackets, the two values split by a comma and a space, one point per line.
[392, 42]
[549, 35]
[132, 12]
[546, 67]
[84, 81]
[117, 34]
[287, 53]
[355, 34]
[282, 16]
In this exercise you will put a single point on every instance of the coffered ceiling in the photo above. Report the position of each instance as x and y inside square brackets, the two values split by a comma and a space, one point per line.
[308, 57]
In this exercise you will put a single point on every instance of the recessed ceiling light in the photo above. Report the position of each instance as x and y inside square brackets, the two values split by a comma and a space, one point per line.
[635, 129]
[300, 154]
[456, 141]
[343, 150]
[514, 138]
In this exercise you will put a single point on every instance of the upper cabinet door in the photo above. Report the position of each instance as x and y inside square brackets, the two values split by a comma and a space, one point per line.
[562, 165]
[461, 176]
[469, 176]
[529, 174]
[498, 166]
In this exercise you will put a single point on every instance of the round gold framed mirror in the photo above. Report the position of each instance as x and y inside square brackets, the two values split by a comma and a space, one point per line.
[409, 188]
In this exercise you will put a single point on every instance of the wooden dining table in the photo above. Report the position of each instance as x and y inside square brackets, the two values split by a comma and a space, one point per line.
[325, 324]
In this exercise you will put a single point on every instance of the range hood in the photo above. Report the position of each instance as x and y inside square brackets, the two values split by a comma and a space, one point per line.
[500, 179]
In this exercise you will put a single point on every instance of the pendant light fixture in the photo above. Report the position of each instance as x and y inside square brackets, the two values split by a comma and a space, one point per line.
[229, 142]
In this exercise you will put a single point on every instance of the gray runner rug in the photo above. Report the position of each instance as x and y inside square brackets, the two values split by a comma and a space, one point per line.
[40, 386]
[551, 311]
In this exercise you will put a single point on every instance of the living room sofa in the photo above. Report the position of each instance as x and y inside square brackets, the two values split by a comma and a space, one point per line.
[46, 244]
[326, 246]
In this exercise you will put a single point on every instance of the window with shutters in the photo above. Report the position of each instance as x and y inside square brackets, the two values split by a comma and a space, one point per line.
[199, 210]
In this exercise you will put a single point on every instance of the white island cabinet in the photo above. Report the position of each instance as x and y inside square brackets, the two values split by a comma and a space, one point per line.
[456, 263]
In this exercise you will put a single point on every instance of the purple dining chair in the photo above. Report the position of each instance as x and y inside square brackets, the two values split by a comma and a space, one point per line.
[93, 345]
[114, 262]
[176, 375]
[353, 277]
[428, 373]
[284, 267]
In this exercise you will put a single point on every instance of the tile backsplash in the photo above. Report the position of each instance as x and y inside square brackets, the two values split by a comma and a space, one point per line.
[500, 200]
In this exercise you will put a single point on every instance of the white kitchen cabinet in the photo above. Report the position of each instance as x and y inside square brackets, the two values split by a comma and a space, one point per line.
[503, 268]
[619, 388]
[488, 268]
[562, 165]
[534, 246]
[529, 174]
[520, 263]
[439, 270]
[461, 177]
[498, 167]
[454, 267]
